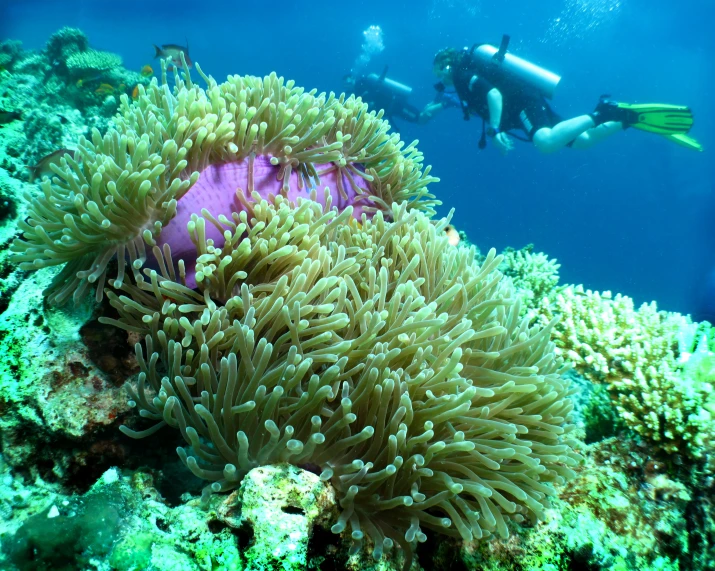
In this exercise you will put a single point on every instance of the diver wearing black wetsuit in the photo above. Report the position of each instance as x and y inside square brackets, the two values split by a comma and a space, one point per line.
[379, 92]
[509, 94]
[524, 107]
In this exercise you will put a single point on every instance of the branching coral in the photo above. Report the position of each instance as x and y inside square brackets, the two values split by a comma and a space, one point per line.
[533, 275]
[636, 352]
[128, 184]
[375, 353]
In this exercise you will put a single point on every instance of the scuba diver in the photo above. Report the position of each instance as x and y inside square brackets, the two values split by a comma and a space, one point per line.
[510, 94]
[381, 92]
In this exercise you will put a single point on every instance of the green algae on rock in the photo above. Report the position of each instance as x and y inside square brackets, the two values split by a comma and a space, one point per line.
[279, 506]
[52, 394]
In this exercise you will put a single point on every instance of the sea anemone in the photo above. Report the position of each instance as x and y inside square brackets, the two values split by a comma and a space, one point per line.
[376, 354]
[125, 187]
[318, 315]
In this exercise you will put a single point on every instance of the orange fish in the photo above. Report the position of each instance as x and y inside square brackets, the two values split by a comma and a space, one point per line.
[135, 91]
[354, 224]
[104, 88]
[452, 235]
[147, 70]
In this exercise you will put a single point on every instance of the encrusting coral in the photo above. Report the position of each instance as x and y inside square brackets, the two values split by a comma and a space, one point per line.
[128, 185]
[331, 325]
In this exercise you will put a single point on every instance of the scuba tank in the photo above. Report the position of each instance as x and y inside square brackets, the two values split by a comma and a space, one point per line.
[537, 77]
[395, 87]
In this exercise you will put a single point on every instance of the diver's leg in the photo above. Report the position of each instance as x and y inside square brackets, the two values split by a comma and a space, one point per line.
[408, 113]
[597, 134]
[551, 139]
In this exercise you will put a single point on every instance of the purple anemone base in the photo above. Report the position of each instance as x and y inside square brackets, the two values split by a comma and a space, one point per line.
[216, 191]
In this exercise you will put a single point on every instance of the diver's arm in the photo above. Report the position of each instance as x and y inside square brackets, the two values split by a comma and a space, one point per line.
[495, 102]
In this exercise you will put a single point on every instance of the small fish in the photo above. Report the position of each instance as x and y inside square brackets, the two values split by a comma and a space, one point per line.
[354, 224]
[147, 70]
[452, 235]
[9, 116]
[135, 92]
[42, 168]
[89, 78]
[174, 52]
[104, 89]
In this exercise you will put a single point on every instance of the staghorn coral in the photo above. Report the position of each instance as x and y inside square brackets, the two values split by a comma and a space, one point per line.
[128, 184]
[637, 354]
[376, 354]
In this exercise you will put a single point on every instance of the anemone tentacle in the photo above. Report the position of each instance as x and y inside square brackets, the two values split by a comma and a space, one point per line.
[126, 186]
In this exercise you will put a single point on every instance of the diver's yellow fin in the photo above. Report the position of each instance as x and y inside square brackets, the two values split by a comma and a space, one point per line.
[659, 118]
[685, 141]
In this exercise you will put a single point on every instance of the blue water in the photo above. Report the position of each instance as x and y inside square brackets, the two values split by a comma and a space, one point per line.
[635, 215]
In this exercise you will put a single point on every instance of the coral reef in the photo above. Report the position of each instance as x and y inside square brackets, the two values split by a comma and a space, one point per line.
[10, 52]
[62, 92]
[56, 403]
[123, 524]
[620, 512]
[333, 363]
[65, 43]
[67, 536]
[86, 62]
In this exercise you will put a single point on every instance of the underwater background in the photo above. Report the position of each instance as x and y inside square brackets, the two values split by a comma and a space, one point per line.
[634, 215]
[535, 392]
